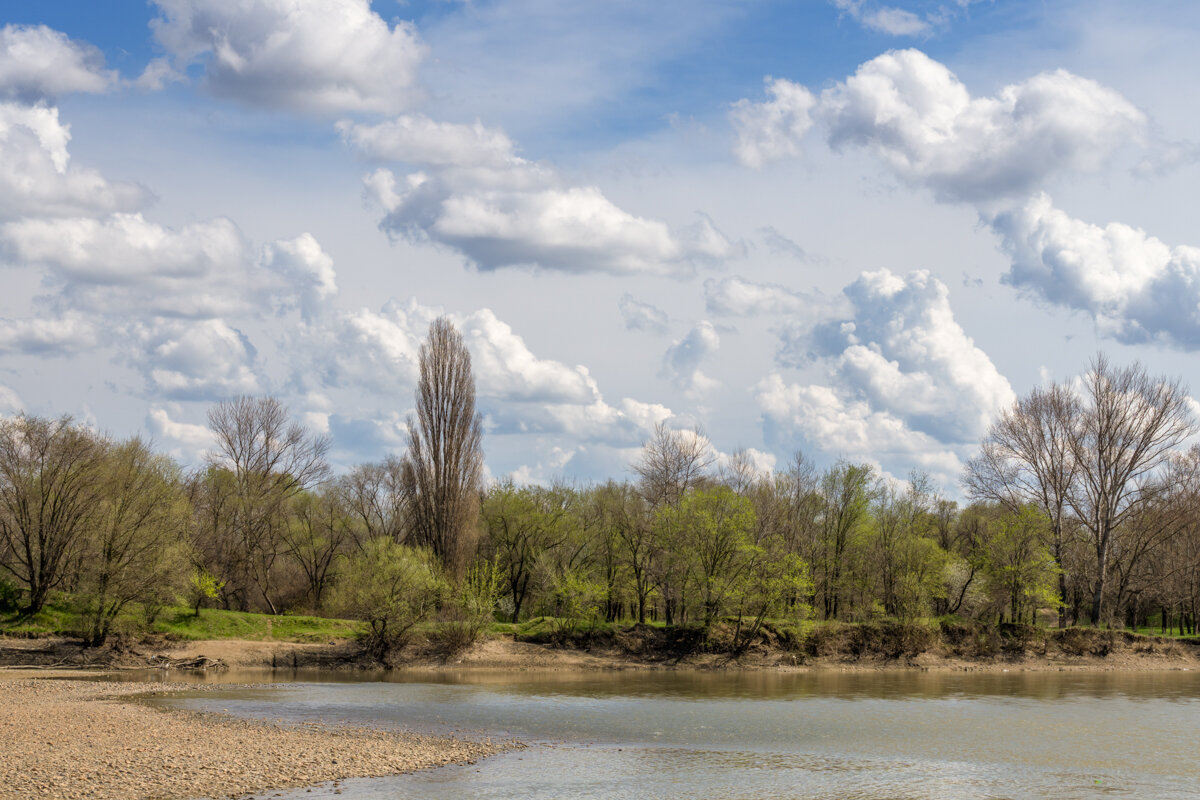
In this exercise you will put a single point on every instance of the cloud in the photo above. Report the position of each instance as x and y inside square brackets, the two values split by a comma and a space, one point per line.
[738, 297]
[36, 174]
[157, 74]
[417, 139]
[1136, 288]
[377, 351]
[506, 368]
[681, 363]
[38, 62]
[205, 360]
[919, 119]
[905, 384]
[319, 56]
[639, 316]
[779, 244]
[904, 352]
[823, 418]
[884, 19]
[124, 264]
[306, 269]
[477, 198]
[10, 401]
[518, 391]
[67, 335]
[772, 130]
[190, 441]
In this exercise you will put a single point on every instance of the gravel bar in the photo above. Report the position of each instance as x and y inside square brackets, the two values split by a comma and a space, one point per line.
[86, 739]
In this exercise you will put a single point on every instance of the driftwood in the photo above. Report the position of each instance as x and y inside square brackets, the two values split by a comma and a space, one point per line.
[66, 662]
[199, 662]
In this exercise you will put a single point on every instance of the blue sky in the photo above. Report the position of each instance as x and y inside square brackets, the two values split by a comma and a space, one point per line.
[855, 228]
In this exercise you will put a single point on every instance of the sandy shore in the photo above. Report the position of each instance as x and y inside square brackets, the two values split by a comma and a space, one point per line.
[80, 739]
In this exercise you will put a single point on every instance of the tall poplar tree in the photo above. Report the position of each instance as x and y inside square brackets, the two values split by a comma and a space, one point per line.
[441, 473]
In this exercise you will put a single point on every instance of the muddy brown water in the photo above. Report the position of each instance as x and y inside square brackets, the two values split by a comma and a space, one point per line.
[723, 735]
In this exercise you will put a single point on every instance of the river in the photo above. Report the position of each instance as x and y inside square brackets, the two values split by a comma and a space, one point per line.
[725, 735]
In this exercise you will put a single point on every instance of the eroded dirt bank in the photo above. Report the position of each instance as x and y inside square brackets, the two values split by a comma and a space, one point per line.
[883, 646]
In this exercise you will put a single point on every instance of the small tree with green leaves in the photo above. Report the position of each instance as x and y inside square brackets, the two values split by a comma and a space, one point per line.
[392, 588]
[203, 585]
[471, 607]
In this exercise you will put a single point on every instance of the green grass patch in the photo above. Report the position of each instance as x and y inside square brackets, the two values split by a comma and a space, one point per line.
[54, 619]
[64, 619]
[217, 624]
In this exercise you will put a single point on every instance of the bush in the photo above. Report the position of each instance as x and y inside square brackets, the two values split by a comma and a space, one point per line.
[392, 588]
[471, 610]
[10, 597]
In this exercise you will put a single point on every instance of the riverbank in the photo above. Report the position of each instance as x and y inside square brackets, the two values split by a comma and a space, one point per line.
[870, 646]
[68, 739]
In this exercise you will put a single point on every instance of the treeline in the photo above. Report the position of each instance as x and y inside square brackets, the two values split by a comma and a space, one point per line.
[1085, 507]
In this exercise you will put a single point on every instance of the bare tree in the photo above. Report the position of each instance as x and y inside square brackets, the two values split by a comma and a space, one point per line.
[441, 472]
[318, 532]
[49, 490]
[672, 462]
[373, 494]
[1029, 457]
[1129, 426]
[271, 459]
[740, 473]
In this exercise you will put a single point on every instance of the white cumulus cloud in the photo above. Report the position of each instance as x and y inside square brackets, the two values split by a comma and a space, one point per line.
[921, 120]
[36, 174]
[829, 421]
[472, 194]
[770, 130]
[38, 62]
[904, 352]
[205, 360]
[1137, 288]
[65, 335]
[417, 139]
[905, 383]
[321, 56]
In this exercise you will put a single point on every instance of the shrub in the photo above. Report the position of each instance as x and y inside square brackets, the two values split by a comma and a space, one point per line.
[392, 588]
[472, 608]
[10, 597]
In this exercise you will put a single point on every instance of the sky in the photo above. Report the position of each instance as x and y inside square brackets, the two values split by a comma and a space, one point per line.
[854, 229]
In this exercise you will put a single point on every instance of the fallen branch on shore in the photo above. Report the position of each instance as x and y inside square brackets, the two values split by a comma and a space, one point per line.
[199, 662]
[66, 662]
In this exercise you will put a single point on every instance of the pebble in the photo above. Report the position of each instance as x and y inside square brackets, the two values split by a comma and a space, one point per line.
[88, 740]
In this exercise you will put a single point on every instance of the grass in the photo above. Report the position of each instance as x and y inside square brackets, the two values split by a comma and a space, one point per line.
[217, 624]
[180, 622]
[52, 619]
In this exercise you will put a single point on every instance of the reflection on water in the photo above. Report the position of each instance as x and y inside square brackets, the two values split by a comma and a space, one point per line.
[868, 735]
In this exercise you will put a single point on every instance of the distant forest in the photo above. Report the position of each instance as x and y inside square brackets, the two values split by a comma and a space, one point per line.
[1084, 508]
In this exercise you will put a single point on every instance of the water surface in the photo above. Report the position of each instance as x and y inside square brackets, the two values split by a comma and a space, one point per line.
[860, 736]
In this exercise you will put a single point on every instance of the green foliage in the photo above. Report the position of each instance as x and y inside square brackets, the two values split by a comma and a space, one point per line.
[1017, 561]
[10, 597]
[392, 588]
[203, 586]
[576, 601]
[471, 609]
[523, 523]
[707, 544]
